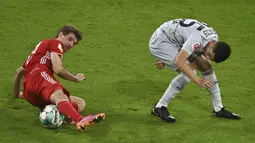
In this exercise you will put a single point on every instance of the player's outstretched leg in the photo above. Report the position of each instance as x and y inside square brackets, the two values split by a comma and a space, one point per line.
[89, 120]
[66, 108]
[223, 113]
[163, 114]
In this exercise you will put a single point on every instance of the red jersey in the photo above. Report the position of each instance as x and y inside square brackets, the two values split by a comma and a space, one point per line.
[40, 56]
[39, 83]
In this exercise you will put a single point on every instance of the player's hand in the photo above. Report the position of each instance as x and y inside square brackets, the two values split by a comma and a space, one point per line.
[80, 77]
[159, 65]
[205, 83]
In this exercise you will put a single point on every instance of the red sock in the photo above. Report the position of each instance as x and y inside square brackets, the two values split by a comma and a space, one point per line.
[66, 108]
[75, 106]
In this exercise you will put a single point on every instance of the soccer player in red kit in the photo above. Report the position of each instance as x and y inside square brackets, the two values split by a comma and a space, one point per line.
[41, 88]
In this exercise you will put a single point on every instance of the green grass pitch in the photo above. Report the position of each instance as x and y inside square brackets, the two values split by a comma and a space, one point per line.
[121, 78]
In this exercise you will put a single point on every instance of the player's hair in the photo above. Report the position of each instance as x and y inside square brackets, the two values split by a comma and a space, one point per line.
[221, 52]
[66, 29]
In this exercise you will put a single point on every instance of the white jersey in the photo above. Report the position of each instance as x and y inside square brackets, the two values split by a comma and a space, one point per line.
[189, 34]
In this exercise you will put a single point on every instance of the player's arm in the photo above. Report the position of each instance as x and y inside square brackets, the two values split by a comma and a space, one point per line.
[191, 45]
[19, 73]
[60, 70]
[181, 63]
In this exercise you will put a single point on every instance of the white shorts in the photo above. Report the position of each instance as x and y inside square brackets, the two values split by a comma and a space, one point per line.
[163, 49]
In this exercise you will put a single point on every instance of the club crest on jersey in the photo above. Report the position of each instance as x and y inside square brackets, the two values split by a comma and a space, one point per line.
[196, 46]
[60, 48]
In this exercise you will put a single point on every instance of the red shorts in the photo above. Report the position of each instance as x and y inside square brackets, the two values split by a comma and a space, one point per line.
[39, 86]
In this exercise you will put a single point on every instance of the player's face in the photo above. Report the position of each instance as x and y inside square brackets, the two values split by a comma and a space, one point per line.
[208, 53]
[68, 40]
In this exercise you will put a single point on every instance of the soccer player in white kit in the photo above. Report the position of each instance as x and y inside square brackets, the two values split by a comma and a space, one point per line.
[187, 45]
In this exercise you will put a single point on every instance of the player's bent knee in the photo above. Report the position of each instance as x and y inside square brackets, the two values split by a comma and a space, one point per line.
[201, 64]
[208, 72]
[82, 105]
[58, 96]
[80, 102]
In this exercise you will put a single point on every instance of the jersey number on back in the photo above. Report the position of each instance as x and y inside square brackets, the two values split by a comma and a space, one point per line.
[201, 24]
[30, 56]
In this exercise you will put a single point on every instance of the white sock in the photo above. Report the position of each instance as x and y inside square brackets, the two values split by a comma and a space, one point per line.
[214, 91]
[175, 87]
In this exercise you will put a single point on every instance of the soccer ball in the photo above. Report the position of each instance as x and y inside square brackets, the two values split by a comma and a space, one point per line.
[50, 117]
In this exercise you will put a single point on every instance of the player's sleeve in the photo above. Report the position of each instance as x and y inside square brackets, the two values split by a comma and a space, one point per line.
[56, 46]
[192, 45]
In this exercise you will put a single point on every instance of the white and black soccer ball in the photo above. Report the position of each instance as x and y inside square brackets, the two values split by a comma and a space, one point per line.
[50, 117]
